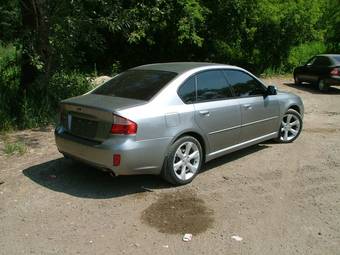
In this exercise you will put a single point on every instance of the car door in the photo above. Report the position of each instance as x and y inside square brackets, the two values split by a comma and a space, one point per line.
[305, 71]
[319, 68]
[259, 111]
[217, 113]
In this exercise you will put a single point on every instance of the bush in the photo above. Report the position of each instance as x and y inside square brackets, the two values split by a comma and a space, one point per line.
[9, 84]
[271, 71]
[302, 53]
[40, 107]
[67, 84]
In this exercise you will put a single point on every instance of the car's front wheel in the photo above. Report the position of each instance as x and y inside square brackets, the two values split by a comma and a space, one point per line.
[291, 126]
[184, 161]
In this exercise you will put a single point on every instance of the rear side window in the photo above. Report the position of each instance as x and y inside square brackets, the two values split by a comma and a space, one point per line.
[136, 84]
[212, 85]
[322, 61]
[187, 92]
[243, 84]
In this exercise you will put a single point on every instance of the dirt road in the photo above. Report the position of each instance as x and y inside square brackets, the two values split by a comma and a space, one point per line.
[281, 199]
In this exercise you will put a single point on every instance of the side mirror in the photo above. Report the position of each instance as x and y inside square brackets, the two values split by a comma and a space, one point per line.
[271, 90]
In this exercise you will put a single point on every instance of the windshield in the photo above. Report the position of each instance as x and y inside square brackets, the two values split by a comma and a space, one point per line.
[136, 84]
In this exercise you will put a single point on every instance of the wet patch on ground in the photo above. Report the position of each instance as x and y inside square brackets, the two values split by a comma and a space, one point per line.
[178, 213]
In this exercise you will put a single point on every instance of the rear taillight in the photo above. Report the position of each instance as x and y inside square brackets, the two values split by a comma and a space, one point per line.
[123, 126]
[335, 72]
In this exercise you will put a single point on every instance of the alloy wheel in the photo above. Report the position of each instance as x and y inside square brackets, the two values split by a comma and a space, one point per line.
[290, 127]
[186, 160]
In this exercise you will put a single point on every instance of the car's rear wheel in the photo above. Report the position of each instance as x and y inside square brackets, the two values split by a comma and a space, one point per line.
[322, 86]
[291, 126]
[296, 80]
[183, 162]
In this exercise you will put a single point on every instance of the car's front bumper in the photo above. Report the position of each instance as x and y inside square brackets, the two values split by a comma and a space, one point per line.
[137, 157]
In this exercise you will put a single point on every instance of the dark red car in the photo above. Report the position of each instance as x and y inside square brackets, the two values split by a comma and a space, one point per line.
[321, 70]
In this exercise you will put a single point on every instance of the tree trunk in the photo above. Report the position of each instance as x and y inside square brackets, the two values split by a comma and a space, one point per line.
[36, 57]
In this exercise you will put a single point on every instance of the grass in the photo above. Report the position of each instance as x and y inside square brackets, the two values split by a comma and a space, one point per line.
[10, 148]
[272, 72]
[14, 148]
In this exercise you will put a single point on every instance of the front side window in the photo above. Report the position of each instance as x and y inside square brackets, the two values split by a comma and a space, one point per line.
[243, 84]
[136, 84]
[212, 85]
[311, 61]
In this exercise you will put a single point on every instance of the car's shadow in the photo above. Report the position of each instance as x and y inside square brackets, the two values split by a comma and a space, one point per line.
[78, 180]
[312, 88]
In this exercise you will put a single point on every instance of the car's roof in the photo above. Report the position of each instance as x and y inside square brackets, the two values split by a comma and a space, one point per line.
[329, 55]
[334, 57]
[177, 67]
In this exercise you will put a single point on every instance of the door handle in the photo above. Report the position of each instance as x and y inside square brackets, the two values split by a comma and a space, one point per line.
[247, 106]
[204, 113]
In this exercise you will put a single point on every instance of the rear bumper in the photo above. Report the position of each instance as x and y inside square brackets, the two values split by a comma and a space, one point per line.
[137, 157]
[334, 80]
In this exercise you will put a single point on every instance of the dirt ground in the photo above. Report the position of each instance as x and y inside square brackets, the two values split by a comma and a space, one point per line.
[280, 199]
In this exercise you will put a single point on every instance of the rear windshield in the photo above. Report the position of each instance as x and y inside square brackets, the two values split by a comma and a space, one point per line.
[337, 59]
[136, 84]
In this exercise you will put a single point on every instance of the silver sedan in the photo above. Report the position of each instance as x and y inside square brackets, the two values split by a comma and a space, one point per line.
[170, 118]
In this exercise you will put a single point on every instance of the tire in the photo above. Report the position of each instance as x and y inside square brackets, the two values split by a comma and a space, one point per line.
[188, 164]
[322, 86]
[290, 128]
[297, 81]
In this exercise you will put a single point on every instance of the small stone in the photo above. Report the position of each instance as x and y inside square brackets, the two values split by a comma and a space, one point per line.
[187, 237]
[237, 238]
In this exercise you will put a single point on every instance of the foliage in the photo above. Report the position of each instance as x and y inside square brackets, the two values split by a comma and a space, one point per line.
[9, 84]
[300, 54]
[49, 46]
[9, 20]
[331, 18]
[40, 105]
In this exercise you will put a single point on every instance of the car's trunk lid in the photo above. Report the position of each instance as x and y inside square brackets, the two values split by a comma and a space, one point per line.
[90, 116]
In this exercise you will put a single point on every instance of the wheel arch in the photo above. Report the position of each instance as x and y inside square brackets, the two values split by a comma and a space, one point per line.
[295, 108]
[196, 135]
